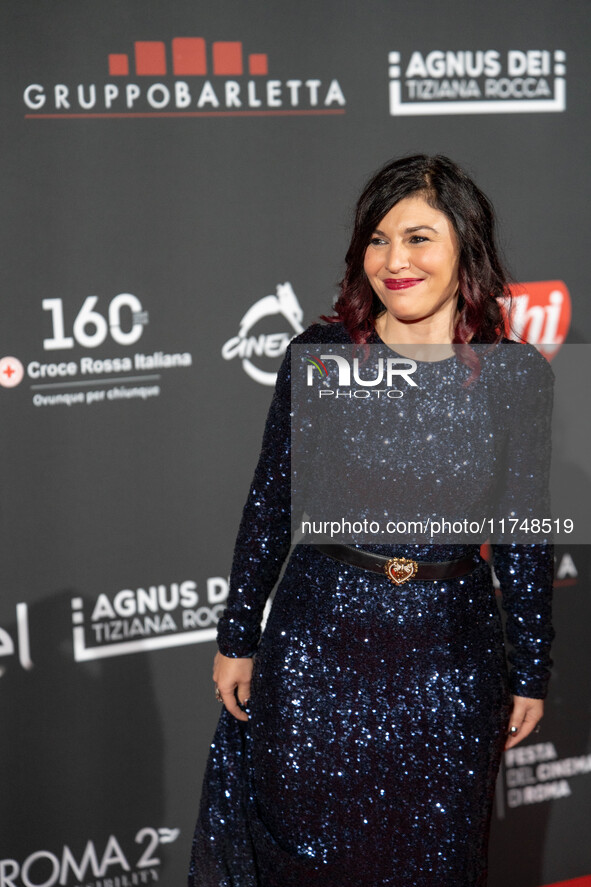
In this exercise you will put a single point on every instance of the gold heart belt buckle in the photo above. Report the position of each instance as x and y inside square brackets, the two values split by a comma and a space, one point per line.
[400, 570]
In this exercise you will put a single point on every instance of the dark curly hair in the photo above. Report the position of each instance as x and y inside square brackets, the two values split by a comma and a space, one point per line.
[483, 279]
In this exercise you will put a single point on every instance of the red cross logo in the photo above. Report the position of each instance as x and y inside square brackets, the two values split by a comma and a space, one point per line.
[11, 372]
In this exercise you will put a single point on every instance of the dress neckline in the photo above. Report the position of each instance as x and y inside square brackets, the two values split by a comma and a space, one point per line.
[376, 339]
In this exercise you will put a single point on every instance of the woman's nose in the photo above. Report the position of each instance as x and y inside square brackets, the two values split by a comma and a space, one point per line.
[397, 258]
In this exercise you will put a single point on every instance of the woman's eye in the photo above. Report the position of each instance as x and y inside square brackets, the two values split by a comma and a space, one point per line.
[416, 238]
[377, 241]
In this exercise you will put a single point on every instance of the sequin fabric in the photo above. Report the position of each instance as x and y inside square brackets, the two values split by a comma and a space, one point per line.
[377, 715]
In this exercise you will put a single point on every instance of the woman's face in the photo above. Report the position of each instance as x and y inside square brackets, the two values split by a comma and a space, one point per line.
[412, 262]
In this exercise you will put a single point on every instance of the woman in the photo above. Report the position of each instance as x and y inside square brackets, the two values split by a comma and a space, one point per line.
[361, 744]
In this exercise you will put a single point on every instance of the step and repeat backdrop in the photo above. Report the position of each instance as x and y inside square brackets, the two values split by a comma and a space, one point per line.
[177, 187]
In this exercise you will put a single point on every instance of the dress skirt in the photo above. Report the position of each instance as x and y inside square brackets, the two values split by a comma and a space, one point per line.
[377, 720]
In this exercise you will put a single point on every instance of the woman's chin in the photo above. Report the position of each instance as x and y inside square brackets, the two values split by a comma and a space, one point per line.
[407, 317]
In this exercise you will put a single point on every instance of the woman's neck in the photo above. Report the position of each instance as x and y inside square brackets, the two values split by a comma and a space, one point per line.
[430, 331]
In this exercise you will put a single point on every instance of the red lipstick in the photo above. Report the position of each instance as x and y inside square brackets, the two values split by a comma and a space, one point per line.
[401, 283]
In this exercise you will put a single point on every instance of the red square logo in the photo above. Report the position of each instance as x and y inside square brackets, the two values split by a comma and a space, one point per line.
[150, 58]
[227, 59]
[118, 65]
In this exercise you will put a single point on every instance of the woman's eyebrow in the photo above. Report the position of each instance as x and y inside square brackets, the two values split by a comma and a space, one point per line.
[408, 230]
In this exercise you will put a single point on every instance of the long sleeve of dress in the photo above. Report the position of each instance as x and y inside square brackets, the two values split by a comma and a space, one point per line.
[525, 572]
[265, 530]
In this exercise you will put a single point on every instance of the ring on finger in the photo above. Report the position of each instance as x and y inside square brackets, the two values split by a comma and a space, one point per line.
[513, 730]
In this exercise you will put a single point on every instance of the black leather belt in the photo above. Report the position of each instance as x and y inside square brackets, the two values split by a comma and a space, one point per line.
[398, 569]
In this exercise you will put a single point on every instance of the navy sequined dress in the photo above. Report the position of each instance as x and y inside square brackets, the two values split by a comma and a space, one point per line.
[378, 714]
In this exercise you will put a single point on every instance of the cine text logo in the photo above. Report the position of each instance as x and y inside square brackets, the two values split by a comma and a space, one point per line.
[477, 82]
[249, 346]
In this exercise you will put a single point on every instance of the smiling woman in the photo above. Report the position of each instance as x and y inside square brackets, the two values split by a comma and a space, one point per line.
[412, 265]
[362, 733]
[462, 217]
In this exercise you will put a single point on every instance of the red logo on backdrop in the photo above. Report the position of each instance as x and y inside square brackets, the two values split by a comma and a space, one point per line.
[11, 372]
[189, 59]
[540, 314]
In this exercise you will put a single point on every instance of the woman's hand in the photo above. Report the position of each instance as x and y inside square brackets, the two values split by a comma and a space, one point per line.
[232, 678]
[526, 715]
